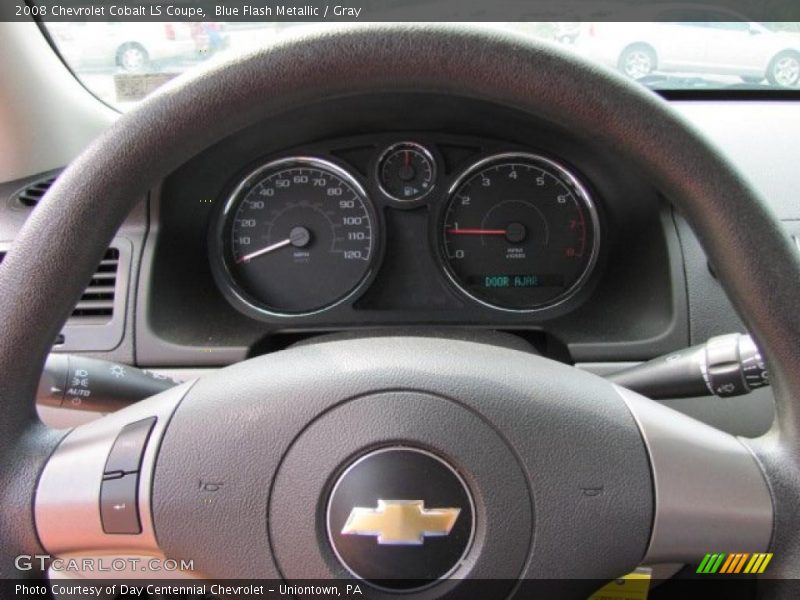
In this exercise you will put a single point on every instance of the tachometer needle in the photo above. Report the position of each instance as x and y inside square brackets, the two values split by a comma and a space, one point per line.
[477, 231]
[263, 251]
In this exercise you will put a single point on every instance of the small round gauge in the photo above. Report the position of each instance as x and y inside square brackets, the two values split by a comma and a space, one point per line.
[519, 232]
[406, 172]
[298, 236]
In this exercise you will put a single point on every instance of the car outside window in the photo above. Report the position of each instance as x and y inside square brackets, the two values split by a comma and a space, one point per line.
[122, 62]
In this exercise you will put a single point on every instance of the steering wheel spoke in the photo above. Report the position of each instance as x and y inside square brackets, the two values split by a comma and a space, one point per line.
[710, 493]
[94, 493]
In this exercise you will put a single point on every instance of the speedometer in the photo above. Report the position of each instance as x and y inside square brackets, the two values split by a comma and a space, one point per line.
[519, 232]
[298, 235]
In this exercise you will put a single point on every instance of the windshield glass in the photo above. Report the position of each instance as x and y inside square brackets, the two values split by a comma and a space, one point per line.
[122, 62]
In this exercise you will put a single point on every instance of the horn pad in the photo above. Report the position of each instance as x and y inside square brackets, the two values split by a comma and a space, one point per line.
[375, 470]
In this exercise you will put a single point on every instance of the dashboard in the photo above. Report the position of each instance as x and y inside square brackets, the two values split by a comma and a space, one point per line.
[510, 231]
[637, 285]
[409, 211]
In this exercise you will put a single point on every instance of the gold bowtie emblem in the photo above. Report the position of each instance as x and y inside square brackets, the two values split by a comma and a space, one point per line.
[401, 522]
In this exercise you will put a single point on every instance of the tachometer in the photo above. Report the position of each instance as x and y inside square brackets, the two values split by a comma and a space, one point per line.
[298, 236]
[519, 232]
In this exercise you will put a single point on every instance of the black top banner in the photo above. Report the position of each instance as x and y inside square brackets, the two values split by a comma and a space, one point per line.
[764, 11]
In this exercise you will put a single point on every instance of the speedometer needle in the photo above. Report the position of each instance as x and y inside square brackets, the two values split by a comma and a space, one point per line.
[263, 251]
[298, 237]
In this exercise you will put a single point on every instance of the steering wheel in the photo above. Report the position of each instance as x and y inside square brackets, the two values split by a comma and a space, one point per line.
[415, 464]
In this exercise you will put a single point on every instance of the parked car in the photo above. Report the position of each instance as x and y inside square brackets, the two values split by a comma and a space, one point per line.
[699, 40]
[131, 46]
[566, 32]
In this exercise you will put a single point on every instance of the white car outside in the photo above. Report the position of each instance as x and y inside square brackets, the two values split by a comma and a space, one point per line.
[707, 46]
[129, 46]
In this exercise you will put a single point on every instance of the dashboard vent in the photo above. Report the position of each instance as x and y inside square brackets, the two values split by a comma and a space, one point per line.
[29, 196]
[98, 299]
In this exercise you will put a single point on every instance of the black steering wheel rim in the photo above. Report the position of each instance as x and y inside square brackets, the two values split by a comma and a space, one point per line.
[45, 271]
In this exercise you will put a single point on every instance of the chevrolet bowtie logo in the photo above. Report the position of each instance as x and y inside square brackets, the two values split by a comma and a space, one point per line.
[401, 522]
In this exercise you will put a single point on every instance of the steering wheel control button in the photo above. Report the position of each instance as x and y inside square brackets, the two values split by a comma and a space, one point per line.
[126, 453]
[400, 518]
[119, 511]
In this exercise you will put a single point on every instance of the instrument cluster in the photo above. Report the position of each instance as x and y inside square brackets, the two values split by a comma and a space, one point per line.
[509, 229]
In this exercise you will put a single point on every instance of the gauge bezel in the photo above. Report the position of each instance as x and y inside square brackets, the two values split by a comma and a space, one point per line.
[221, 256]
[570, 178]
[393, 148]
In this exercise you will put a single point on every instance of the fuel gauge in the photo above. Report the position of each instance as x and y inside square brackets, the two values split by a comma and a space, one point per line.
[406, 172]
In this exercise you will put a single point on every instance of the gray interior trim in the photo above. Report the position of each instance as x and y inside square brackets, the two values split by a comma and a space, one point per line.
[603, 369]
[152, 350]
[710, 493]
[132, 232]
[82, 334]
[48, 117]
[760, 138]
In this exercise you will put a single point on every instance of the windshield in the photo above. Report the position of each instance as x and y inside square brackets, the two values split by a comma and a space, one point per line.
[122, 62]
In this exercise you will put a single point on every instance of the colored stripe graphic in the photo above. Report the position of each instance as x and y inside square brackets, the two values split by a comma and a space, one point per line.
[701, 568]
[755, 562]
[731, 564]
[710, 563]
[739, 563]
[727, 566]
[767, 558]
